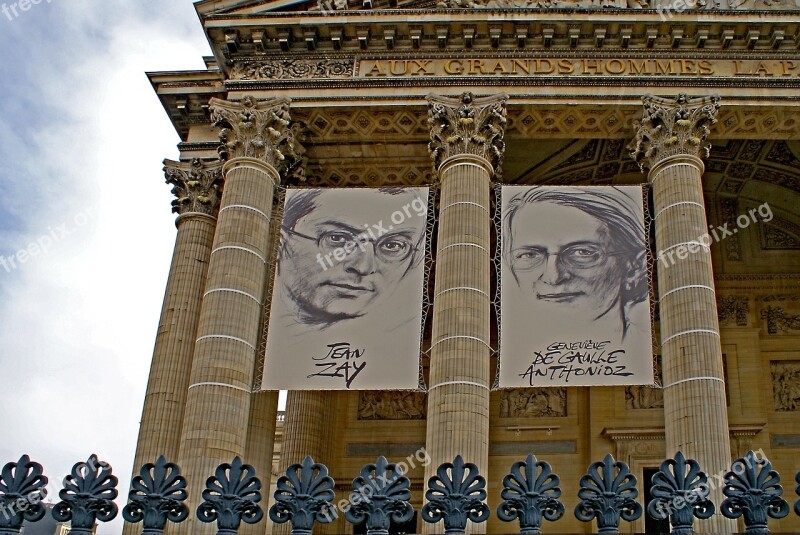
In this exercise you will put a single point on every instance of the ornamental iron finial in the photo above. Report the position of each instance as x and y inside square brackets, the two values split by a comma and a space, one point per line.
[22, 488]
[467, 125]
[304, 496]
[608, 492]
[530, 493]
[797, 491]
[231, 495]
[197, 186]
[380, 496]
[671, 127]
[255, 129]
[753, 489]
[87, 496]
[680, 492]
[456, 494]
[157, 495]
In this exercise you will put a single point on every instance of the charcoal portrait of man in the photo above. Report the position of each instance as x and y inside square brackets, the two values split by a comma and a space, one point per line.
[349, 272]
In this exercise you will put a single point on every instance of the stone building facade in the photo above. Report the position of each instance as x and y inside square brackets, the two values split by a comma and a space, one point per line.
[339, 93]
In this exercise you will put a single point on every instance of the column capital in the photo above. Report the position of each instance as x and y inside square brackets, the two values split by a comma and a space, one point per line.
[467, 126]
[256, 129]
[673, 127]
[196, 184]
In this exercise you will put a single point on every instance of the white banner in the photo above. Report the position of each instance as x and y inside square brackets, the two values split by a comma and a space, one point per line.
[346, 308]
[574, 295]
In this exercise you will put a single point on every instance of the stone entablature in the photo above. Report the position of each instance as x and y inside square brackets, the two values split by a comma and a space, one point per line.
[212, 10]
[452, 32]
[526, 67]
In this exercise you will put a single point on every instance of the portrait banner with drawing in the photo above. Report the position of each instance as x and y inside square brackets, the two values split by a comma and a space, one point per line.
[347, 299]
[574, 287]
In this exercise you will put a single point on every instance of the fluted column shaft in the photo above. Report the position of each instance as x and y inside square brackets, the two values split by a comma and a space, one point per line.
[165, 399]
[458, 399]
[303, 426]
[259, 447]
[196, 186]
[162, 415]
[218, 403]
[459, 381]
[695, 408]
[306, 417]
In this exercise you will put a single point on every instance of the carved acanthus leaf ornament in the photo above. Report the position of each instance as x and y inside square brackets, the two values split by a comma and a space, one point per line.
[256, 129]
[548, 4]
[673, 127]
[196, 185]
[293, 69]
[467, 125]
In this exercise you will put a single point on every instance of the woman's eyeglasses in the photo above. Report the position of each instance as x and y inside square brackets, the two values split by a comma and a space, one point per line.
[579, 256]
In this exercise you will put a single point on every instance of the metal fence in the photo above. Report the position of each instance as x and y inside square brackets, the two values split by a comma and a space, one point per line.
[380, 496]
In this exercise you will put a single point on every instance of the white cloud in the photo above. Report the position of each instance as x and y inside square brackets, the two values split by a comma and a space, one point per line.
[83, 144]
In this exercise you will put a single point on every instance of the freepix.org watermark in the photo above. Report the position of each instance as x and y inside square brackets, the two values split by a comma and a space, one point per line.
[665, 508]
[33, 498]
[15, 9]
[681, 252]
[41, 245]
[364, 494]
[372, 233]
[667, 9]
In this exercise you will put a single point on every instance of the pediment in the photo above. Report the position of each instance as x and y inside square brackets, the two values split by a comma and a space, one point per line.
[212, 8]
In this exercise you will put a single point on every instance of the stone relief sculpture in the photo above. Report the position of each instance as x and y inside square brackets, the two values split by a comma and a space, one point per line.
[635, 4]
[392, 405]
[786, 385]
[778, 321]
[292, 69]
[661, 5]
[533, 402]
[645, 396]
[733, 309]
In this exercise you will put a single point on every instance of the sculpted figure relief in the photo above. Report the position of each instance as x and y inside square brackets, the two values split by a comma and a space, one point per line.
[645, 396]
[401, 405]
[665, 6]
[533, 402]
[634, 4]
[786, 385]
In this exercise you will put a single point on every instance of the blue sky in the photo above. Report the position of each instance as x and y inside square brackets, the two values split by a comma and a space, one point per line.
[82, 193]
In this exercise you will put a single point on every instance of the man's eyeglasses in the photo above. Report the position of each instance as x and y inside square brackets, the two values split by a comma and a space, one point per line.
[389, 248]
[579, 256]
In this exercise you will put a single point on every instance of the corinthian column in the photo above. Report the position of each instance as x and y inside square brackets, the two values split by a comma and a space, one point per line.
[256, 142]
[197, 187]
[467, 149]
[303, 433]
[670, 141]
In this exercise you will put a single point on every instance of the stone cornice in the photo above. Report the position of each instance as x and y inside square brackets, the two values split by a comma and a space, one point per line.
[674, 127]
[633, 433]
[467, 126]
[746, 430]
[455, 30]
[657, 433]
[197, 186]
[480, 13]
